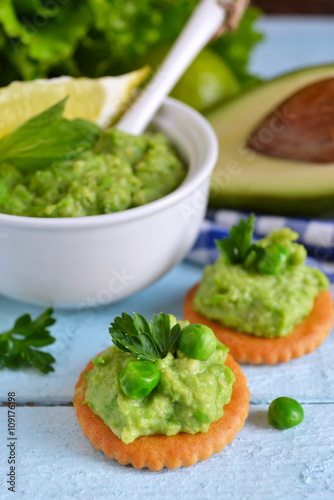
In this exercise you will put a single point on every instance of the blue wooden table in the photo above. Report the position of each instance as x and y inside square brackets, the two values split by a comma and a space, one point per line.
[55, 460]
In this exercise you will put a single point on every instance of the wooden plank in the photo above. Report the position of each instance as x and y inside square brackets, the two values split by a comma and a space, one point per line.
[83, 334]
[55, 460]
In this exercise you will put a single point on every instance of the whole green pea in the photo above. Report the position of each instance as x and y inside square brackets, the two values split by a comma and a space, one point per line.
[274, 260]
[197, 342]
[139, 378]
[284, 413]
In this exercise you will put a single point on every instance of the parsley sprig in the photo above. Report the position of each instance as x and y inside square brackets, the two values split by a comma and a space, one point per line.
[147, 341]
[239, 249]
[19, 346]
[239, 243]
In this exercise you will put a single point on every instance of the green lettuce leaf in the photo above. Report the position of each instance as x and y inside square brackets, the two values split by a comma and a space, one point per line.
[47, 9]
[103, 37]
[59, 38]
[10, 22]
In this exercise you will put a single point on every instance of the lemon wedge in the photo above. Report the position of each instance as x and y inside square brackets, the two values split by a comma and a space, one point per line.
[101, 100]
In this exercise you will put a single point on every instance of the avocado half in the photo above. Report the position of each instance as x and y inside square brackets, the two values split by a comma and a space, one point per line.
[247, 180]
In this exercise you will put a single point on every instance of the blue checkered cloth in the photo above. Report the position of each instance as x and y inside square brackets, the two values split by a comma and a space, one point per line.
[316, 235]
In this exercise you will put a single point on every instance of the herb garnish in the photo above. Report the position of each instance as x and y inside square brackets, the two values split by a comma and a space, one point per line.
[46, 138]
[17, 346]
[238, 249]
[237, 246]
[147, 341]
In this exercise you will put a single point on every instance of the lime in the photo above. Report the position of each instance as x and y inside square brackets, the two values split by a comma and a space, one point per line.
[206, 83]
[99, 100]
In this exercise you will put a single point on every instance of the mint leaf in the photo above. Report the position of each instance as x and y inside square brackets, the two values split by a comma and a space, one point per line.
[18, 345]
[46, 138]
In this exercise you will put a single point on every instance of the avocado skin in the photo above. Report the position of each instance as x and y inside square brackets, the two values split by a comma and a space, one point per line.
[315, 204]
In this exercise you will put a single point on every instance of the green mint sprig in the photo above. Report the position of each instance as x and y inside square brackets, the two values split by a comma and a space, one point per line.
[46, 138]
[19, 346]
[147, 341]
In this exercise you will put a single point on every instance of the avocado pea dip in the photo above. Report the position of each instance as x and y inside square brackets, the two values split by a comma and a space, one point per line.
[162, 377]
[189, 396]
[267, 297]
[120, 172]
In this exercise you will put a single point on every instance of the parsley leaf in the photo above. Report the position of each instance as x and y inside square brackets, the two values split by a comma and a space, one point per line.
[46, 138]
[147, 341]
[237, 246]
[134, 335]
[18, 345]
[254, 255]
[267, 257]
[164, 336]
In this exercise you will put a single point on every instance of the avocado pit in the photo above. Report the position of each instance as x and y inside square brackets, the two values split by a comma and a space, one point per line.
[301, 128]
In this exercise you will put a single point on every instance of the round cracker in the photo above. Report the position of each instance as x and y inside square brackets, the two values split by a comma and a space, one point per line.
[158, 451]
[245, 348]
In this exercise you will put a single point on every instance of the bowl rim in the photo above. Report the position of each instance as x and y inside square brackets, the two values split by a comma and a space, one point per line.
[181, 192]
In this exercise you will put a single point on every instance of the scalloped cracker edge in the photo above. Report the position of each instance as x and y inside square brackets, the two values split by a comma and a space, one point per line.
[245, 348]
[158, 451]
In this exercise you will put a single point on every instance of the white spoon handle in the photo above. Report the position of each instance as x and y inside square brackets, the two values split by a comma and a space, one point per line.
[202, 25]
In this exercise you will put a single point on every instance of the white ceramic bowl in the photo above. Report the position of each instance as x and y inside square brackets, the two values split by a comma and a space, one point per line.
[87, 261]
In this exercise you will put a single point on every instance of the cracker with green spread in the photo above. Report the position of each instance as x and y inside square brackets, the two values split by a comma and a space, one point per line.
[167, 394]
[261, 299]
